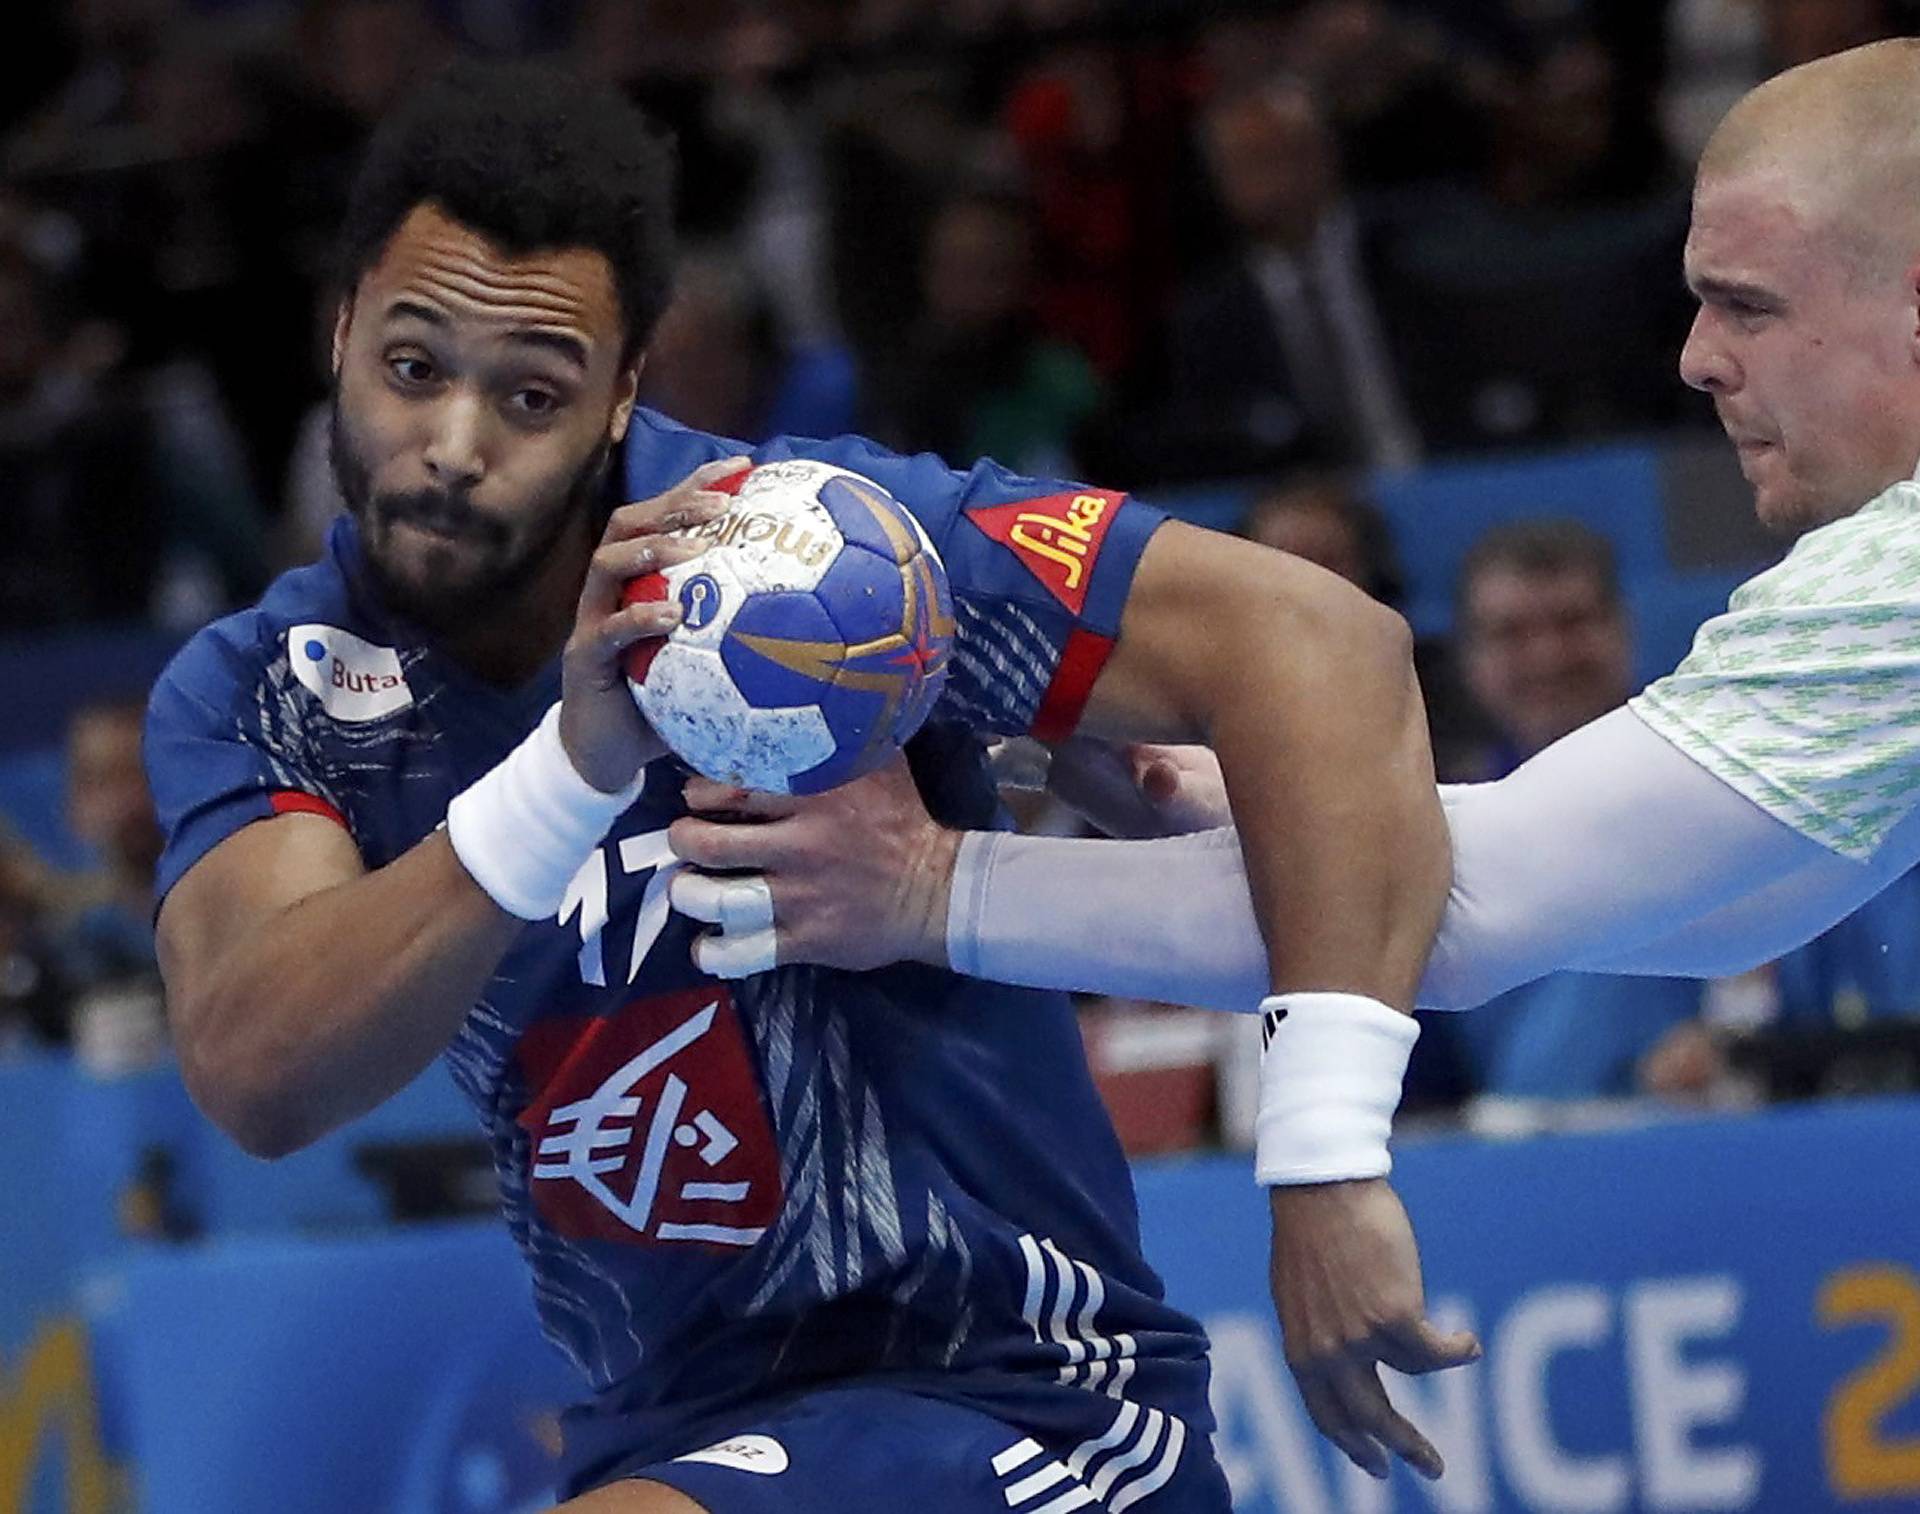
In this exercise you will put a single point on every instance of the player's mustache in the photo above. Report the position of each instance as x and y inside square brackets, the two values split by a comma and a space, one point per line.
[439, 510]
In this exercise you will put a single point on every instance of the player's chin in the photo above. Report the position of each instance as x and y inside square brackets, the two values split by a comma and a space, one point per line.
[1788, 511]
[438, 582]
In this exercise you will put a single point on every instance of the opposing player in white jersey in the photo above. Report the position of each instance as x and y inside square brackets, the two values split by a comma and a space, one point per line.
[1737, 808]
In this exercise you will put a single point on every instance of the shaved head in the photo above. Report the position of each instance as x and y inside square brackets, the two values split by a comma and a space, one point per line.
[1804, 254]
[1838, 140]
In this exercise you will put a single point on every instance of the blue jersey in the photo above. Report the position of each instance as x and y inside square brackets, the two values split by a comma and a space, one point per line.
[728, 1193]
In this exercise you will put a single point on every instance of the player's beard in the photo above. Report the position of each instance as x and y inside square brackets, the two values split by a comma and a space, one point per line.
[504, 562]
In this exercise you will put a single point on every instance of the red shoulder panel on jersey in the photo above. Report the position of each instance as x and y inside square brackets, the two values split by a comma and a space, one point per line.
[1081, 660]
[294, 802]
[1056, 537]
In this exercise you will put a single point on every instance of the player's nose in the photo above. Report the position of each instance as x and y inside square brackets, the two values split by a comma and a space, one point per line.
[1705, 363]
[455, 453]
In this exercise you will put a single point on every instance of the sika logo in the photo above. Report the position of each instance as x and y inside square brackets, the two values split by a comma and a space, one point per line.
[1057, 538]
[353, 679]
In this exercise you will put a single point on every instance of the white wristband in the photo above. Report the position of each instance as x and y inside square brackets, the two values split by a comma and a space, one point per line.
[524, 829]
[1329, 1082]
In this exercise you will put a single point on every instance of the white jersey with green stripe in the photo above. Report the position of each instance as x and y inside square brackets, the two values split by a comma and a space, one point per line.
[1805, 695]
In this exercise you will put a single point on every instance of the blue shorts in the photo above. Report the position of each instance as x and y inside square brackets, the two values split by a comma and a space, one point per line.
[880, 1450]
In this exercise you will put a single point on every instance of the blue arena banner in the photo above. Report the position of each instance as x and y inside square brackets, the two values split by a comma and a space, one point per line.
[1720, 1313]
[1714, 1314]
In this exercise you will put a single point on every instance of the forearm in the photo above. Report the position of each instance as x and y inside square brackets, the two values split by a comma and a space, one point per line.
[1323, 745]
[1611, 852]
[1612, 848]
[1160, 920]
[339, 1000]
[305, 989]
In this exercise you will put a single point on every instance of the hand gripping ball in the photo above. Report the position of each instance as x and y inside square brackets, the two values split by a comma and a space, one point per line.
[816, 632]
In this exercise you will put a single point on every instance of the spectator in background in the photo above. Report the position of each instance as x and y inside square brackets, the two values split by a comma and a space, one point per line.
[1277, 353]
[1098, 129]
[975, 375]
[1858, 975]
[1546, 647]
[33, 997]
[1407, 101]
[101, 928]
[1538, 304]
[111, 40]
[895, 141]
[122, 489]
[106, 931]
[1321, 517]
[1324, 518]
[1544, 640]
[1719, 49]
[716, 361]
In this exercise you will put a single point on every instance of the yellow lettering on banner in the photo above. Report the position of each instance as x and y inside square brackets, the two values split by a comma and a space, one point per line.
[52, 1388]
[1862, 1462]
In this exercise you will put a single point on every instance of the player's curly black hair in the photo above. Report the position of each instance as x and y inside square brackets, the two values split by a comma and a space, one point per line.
[532, 158]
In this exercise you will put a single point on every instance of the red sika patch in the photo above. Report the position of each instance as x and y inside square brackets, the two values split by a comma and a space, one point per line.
[647, 1125]
[1056, 537]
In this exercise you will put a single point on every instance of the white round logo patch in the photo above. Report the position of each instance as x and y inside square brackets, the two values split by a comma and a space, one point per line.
[354, 680]
[744, 1453]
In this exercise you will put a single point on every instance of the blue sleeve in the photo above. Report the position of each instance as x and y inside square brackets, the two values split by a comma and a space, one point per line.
[1040, 569]
[220, 752]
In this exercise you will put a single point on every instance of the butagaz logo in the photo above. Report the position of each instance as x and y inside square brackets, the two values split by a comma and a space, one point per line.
[353, 679]
[744, 1453]
[1057, 538]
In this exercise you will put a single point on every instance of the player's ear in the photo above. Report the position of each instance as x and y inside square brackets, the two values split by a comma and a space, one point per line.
[342, 317]
[626, 392]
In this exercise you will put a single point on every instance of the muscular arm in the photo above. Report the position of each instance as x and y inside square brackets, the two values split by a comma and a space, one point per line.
[303, 989]
[1305, 690]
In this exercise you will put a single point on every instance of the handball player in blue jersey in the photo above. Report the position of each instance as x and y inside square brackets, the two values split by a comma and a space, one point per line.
[842, 1237]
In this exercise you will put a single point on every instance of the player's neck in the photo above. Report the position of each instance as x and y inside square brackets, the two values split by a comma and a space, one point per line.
[530, 626]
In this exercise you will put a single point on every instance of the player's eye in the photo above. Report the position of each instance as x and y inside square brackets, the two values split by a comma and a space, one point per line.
[410, 371]
[535, 403]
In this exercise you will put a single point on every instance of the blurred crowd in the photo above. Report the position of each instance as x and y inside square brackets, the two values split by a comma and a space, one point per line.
[1153, 243]
[1137, 240]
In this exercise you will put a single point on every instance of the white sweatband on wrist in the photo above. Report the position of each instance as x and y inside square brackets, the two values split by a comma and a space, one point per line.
[526, 827]
[1330, 1081]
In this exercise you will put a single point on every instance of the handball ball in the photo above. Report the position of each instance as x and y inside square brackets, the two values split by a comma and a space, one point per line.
[815, 633]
